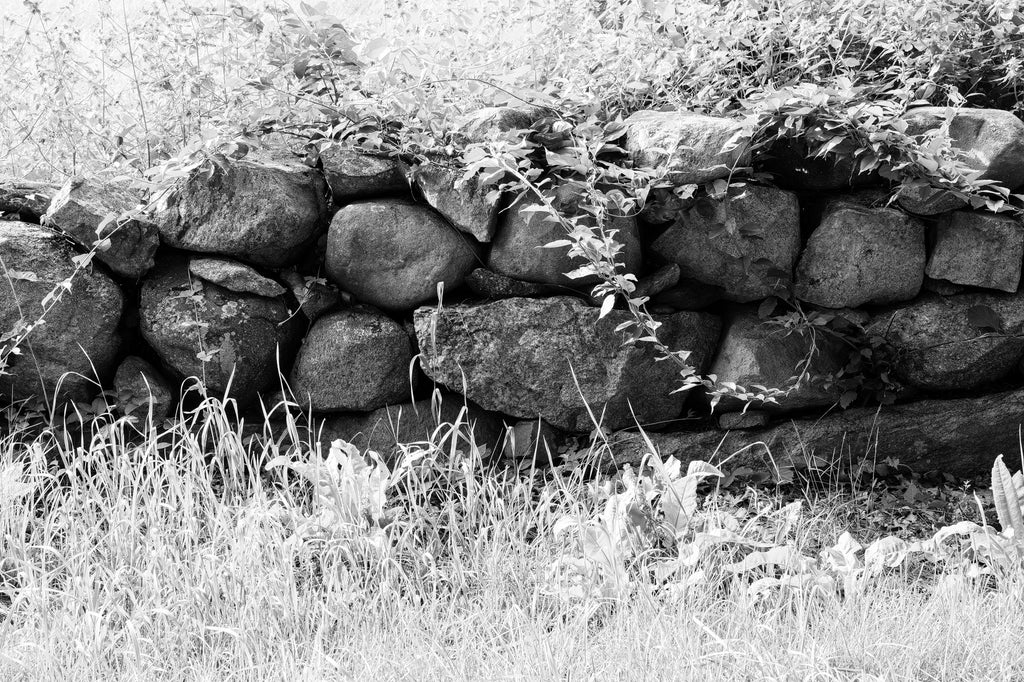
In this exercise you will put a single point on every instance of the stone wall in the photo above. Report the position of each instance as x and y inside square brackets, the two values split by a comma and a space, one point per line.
[332, 276]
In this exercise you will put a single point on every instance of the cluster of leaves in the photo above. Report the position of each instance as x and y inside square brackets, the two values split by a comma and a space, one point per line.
[660, 529]
[652, 530]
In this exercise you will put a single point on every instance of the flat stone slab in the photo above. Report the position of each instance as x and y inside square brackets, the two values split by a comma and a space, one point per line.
[943, 346]
[960, 437]
[234, 276]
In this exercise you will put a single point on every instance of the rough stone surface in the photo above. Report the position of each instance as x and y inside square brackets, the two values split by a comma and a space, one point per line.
[383, 430]
[754, 353]
[392, 254]
[353, 360]
[662, 279]
[940, 346]
[747, 244]
[203, 330]
[490, 284]
[516, 354]
[81, 329]
[751, 419]
[922, 199]
[354, 175]
[690, 146]
[24, 200]
[234, 276]
[465, 205]
[689, 294]
[961, 437]
[80, 207]
[315, 295]
[263, 213]
[489, 122]
[990, 140]
[861, 255]
[978, 249]
[532, 440]
[517, 249]
[942, 287]
[141, 389]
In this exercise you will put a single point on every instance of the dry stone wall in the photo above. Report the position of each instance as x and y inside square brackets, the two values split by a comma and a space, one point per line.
[332, 278]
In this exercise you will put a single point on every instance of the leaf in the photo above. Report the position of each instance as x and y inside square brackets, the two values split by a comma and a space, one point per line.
[888, 551]
[606, 305]
[767, 307]
[983, 318]
[1004, 494]
[785, 557]
[23, 275]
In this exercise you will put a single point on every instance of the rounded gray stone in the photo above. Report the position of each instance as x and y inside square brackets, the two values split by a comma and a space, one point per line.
[80, 334]
[223, 337]
[392, 254]
[353, 360]
[517, 250]
[861, 255]
[265, 213]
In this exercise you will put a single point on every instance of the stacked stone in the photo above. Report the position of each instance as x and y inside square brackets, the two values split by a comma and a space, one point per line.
[338, 279]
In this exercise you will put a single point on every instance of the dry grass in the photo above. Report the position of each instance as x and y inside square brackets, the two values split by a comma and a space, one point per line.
[171, 555]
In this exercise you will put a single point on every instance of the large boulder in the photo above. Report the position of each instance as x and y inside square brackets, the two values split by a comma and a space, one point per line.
[353, 174]
[385, 430]
[392, 254]
[978, 249]
[990, 141]
[517, 250]
[861, 255]
[553, 358]
[200, 329]
[692, 148]
[353, 360]
[753, 352]
[954, 343]
[141, 390]
[747, 243]
[23, 199]
[960, 437]
[261, 212]
[467, 204]
[83, 204]
[80, 332]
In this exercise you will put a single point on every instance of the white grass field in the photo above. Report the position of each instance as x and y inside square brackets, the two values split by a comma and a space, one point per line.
[174, 555]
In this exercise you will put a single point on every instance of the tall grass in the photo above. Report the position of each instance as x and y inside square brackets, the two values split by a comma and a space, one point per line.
[141, 552]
